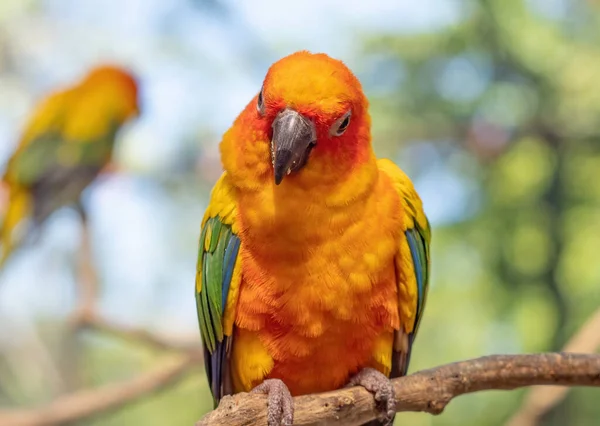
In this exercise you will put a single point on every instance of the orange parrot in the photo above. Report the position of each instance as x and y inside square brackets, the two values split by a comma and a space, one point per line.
[66, 143]
[313, 265]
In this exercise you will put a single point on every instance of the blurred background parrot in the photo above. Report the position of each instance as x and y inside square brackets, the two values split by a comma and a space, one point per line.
[313, 264]
[65, 144]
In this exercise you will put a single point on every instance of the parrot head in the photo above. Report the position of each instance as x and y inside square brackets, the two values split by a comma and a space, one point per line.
[315, 114]
[116, 84]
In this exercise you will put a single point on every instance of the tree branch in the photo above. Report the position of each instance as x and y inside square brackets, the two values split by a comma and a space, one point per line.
[85, 403]
[540, 400]
[184, 343]
[428, 390]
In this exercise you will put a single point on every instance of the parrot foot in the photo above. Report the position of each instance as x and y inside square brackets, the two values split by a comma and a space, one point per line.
[279, 401]
[381, 386]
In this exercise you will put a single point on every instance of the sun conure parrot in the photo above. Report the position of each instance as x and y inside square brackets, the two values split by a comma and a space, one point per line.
[313, 264]
[65, 144]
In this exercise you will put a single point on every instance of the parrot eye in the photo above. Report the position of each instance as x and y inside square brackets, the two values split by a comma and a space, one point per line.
[260, 104]
[341, 124]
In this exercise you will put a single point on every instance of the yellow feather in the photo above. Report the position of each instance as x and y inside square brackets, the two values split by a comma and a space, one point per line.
[207, 239]
[407, 191]
[222, 203]
[199, 276]
[250, 361]
[413, 210]
[382, 354]
[19, 207]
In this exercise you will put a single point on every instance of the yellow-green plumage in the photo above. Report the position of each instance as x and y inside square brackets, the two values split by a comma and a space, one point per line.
[68, 140]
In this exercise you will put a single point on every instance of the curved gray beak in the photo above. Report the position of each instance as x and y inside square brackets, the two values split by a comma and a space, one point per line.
[293, 138]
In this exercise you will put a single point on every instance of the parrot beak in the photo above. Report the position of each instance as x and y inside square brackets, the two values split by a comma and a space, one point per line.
[294, 136]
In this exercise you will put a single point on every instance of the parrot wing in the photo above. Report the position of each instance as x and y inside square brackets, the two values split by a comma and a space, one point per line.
[40, 140]
[412, 267]
[47, 151]
[218, 276]
[52, 158]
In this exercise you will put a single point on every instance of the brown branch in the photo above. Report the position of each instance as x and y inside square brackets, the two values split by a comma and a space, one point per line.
[85, 403]
[429, 390]
[541, 400]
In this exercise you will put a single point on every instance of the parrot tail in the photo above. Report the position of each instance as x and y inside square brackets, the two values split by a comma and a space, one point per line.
[19, 207]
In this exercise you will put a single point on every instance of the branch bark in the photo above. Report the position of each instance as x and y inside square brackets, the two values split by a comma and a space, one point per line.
[429, 390]
[85, 403]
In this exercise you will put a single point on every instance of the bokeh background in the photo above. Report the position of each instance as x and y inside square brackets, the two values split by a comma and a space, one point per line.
[492, 107]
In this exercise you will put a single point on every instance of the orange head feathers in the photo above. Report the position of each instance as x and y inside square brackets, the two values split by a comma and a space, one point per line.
[118, 84]
[309, 119]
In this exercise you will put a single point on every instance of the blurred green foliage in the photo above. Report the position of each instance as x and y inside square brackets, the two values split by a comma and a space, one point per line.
[510, 98]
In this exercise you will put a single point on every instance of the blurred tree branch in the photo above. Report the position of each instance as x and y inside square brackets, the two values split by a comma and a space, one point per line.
[85, 403]
[183, 343]
[541, 400]
[429, 390]
[82, 403]
[86, 316]
[87, 289]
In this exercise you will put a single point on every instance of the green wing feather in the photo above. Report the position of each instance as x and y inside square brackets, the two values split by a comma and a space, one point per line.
[50, 152]
[419, 239]
[217, 257]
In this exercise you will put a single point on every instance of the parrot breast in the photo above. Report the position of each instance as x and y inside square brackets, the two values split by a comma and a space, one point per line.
[318, 296]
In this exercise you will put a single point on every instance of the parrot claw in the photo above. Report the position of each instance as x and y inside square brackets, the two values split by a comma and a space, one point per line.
[382, 388]
[279, 401]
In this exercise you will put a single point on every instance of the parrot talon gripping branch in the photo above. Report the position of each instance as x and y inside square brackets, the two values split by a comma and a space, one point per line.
[379, 385]
[313, 262]
[280, 404]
